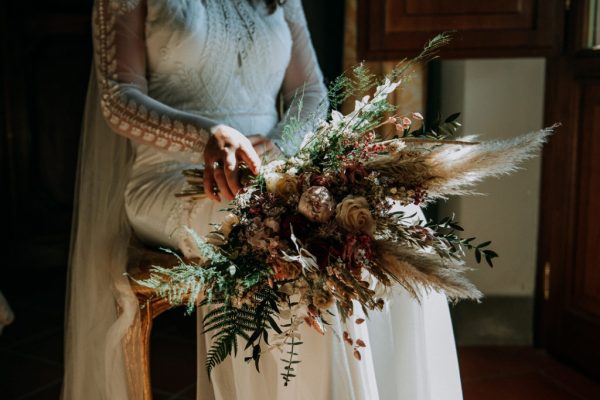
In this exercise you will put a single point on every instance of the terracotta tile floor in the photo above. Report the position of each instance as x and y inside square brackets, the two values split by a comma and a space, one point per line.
[31, 357]
[515, 373]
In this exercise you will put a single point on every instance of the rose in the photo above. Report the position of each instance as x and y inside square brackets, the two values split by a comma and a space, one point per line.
[354, 172]
[353, 215]
[282, 184]
[316, 204]
[228, 223]
[287, 186]
[273, 166]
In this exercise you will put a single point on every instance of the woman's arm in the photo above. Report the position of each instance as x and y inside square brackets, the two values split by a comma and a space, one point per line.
[304, 92]
[120, 60]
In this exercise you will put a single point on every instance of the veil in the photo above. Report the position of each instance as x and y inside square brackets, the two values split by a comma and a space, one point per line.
[101, 309]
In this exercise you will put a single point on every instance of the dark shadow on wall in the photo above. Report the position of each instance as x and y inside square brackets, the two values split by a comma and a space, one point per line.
[326, 24]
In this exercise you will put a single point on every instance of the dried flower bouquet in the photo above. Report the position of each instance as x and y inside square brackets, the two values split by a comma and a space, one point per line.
[322, 233]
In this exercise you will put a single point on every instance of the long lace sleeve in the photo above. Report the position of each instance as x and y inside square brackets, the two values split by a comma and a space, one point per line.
[304, 93]
[120, 60]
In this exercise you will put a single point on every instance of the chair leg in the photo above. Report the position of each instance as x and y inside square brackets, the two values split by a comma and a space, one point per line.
[134, 354]
[146, 329]
[150, 310]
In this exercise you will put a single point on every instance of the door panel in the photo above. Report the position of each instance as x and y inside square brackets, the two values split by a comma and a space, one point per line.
[586, 293]
[569, 239]
[393, 29]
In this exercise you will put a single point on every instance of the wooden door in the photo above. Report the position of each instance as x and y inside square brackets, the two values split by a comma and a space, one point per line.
[393, 29]
[569, 239]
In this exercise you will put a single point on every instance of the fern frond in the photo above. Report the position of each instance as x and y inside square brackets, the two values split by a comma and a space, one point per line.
[250, 323]
[220, 349]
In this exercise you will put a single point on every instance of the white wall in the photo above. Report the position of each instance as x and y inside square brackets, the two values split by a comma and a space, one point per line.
[499, 98]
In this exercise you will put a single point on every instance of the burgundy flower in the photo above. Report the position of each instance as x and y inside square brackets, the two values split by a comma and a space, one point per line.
[349, 248]
[254, 211]
[365, 243]
[352, 172]
[355, 172]
[355, 242]
[319, 180]
[298, 223]
[323, 250]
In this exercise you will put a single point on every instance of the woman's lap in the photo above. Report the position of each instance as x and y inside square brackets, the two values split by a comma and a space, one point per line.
[158, 217]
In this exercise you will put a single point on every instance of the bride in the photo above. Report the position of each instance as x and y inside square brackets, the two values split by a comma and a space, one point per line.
[178, 83]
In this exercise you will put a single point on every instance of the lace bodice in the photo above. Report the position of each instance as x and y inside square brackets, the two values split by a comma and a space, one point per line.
[169, 70]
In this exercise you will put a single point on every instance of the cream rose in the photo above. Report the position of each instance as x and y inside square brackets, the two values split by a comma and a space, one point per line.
[228, 223]
[353, 215]
[282, 184]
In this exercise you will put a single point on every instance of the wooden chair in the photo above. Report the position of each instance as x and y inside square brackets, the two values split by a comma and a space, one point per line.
[151, 306]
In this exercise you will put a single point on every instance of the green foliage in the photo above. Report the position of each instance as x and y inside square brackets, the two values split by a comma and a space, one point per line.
[229, 323]
[428, 53]
[294, 121]
[326, 146]
[446, 232]
[181, 281]
[289, 371]
[358, 82]
[292, 359]
[250, 322]
[439, 129]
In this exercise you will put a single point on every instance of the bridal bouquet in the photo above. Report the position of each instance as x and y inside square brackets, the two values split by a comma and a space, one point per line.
[321, 232]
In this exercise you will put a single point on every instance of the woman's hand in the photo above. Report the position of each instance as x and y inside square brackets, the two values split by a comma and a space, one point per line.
[224, 150]
[264, 147]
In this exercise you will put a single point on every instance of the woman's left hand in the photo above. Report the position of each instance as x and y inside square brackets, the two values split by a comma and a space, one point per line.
[264, 147]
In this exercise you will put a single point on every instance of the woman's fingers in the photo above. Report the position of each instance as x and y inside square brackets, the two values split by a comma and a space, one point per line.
[230, 160]
[228, 147]
[247, 153]
[231, 172]
[210, 183]
[222, 184]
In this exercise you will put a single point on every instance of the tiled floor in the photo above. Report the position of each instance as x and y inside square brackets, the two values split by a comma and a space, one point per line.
[520, 373]
[31, 357]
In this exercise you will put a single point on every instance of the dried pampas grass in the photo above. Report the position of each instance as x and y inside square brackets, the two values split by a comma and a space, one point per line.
[416, 270]
[455, 169]
[446, 168]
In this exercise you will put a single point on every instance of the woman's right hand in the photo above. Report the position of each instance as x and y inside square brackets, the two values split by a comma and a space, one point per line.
[224, 151]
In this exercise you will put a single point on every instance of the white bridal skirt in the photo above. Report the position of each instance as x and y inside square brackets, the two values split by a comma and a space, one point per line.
[410, 352]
